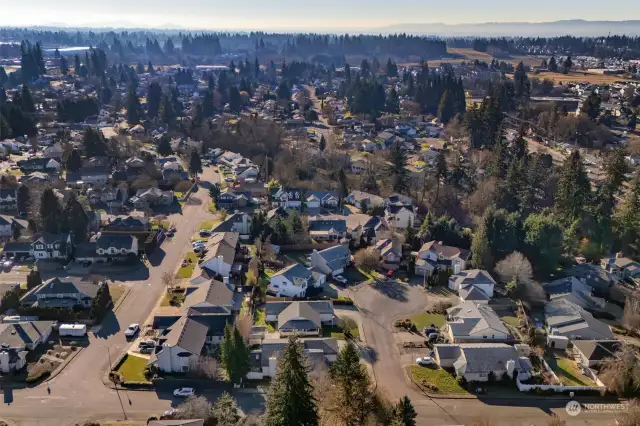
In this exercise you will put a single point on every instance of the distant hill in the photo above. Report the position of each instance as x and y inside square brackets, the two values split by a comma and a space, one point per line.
[577, 27]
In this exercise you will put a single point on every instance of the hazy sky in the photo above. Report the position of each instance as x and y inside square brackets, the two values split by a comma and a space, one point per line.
[283, 14]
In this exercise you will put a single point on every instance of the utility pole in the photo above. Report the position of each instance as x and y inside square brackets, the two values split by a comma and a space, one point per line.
[115, 383]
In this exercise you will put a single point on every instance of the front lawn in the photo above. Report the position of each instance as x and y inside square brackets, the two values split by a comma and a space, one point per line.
[208, 224]
[186, 271]
[568, 372]
[132, 369]
[511, 320]
[337, 331]
[425, 319]
[260, 319]
[441, 380]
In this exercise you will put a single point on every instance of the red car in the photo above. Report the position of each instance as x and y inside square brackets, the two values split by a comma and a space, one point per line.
[389, 273]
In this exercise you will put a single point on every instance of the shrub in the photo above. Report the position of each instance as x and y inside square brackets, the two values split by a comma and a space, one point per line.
[346, 301]
[49, 352]
[73, 348]
[461, 380]
[441, 307]
[40, 375]
[57, 355]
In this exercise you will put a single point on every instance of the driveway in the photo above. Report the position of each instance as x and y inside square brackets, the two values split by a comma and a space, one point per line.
[77, 393]
[383, 302]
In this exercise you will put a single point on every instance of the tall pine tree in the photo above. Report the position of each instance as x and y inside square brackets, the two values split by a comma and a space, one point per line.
[573, 193]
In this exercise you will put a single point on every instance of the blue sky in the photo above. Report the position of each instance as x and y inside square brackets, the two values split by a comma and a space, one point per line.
[311, 15]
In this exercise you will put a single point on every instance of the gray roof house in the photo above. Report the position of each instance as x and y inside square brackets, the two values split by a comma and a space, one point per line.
[476, 361]
[471, 322]
[214, 295]
[173, 422]
[565, 318]
[264, 360]
[323, 308]
[16, 339]
[327, 229]
[291, 281]
[331, 261]
[299, 318]
[473, 285]
[66, 292]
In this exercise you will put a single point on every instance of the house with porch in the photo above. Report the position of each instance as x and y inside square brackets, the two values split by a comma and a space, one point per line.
[17, 339]
[52, 246]
[69, 292]
[293, 281]
[471, 322]
[331, 261]
[434, 255]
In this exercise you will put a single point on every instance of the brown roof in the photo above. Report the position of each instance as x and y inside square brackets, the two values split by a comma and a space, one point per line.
[446, 251]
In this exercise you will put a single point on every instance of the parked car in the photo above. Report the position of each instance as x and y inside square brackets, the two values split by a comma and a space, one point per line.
[132, 330]
[229, 179]
[184, 392]
[146, 350]
[428, 330]
[425, 360]
[204, 233]
[389, 273]
[340, 279]
[147, 343]
[7, 265]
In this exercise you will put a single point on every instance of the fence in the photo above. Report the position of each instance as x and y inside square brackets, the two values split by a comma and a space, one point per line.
[305, 247]
[560, 388]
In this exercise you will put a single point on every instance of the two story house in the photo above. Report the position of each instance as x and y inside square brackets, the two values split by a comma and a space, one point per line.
[621, 268]
[369, 229]
[231, 200]
[473, 285]
[239, 222]
[326, 228]
[331, 261]
[289, 198]
[322, 199]
[364, 200]
[17, 339]
[400, 216]
[221, 253]
[434, 255]
[69, 292]
[291, 281]
[8, 199]
[52, 246]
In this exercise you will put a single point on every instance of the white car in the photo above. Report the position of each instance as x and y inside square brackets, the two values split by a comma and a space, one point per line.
[425, 360]
[340, 279]
[132, 330]
[184, 392]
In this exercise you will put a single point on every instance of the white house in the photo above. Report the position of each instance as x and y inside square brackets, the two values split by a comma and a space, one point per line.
[322, 307]
[400, 216]
[473, 285]
[8, 199]
[264, 361]
[221, 253]
[290, 198]
[291, 281]
[16, 339]
[6, 226]
[239, 222]
[182, 346]
[331, 261]
[52, 246]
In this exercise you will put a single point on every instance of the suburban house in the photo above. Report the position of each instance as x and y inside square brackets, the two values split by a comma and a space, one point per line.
[52, 246]
[53, 151]
[565, 318]
[214, 297]
[8, 199]
[40, 164]
[299, 318]
[621, 268]
[476, 362]
[128, 224]
[358, 165]
[264, 361]
[239, 222]
[292, 281]
[471, 322]
[289, 198]
[151, 197]
[323, 308]
[181, 346]
[400, 216]
[591, 353]
[574, 290]
[107, 248]
[222, 247]
[434, 255]
[69, 292]
[322, 199]
[371, 229]
[473, 285]
[6, 226]
[231, 200]
[110, 196]
[390, 253]
[331, 261]
[16, 339]
[364, 200]
[327, 227]
[88, 176]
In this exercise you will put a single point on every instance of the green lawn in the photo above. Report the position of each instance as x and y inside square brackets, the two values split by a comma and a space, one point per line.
[511, 320]
[260, 319]
[445, 382]
[132, 369]
[426, 319]
[568, 372]
[186, 271]
[208, 224]
[337, 332]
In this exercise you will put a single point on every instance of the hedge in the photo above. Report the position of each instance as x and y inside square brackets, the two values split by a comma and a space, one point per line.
[132, 384]
[40, 376]
[345, 301]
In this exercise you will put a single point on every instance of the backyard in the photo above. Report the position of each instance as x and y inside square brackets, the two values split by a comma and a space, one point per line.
[511, 320]
[425, 319]
[260, 319]
[568, 372]
[435, 380]
[132, 369]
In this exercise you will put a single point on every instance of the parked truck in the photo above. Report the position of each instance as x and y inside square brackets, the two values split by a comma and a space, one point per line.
[72, 330]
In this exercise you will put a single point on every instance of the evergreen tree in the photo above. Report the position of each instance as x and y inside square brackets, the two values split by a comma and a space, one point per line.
[3, 76]
[225, 411]
[553, 65]
[568, 63]
[352, 386]
[446, 109]
[521, 82]
[100, 303]
[5, 130]
[64, 65]
[290, 400]
[234, 354]
[403, 413]
[283, 92]
[481, 257]
[392, 69]
[74, 162]
[344, 185]
[166, 113]
[615, 169]
[23, 198]
[392, 105]
[164, 146]
[207, 104]
[154, 96]
[33, 279]
[235, 100]
[50, 212]
[323, 144]
[573, 192]
[74, 219]
[94, 143]
[398, 168]
[195, 163]
[27, 100]
[591, 106]
[76, 64]
[134, 109]
[627, 217]
[514, 187]
[544, 241]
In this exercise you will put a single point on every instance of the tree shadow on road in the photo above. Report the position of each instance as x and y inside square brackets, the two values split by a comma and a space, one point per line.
[156, 257]
[193, 201]
[109, 326]
[368, 353]
[391, 289]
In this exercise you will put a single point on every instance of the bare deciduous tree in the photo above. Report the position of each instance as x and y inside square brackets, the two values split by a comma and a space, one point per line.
[367, 259]
[516, 271]
[632, 320]
[630, 416]
[204, 367]
[556, 421]
[244, 324]
[169, 281]
[195, 407]
[621, 373]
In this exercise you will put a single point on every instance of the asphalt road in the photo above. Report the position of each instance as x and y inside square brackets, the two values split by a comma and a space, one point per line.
[77, 393]
[380, 304]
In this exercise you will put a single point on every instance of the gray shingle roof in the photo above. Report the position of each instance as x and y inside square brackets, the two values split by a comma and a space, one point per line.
[299, 316]
[320, 306]
[189, 334]
[272, 348]
[474, 319]
[115, 241]
[485, 357]
[17, 335]
[68, 285]
[294, 271]
[214, 292]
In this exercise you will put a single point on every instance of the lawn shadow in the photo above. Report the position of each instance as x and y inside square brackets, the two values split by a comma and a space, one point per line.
[391, 289]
